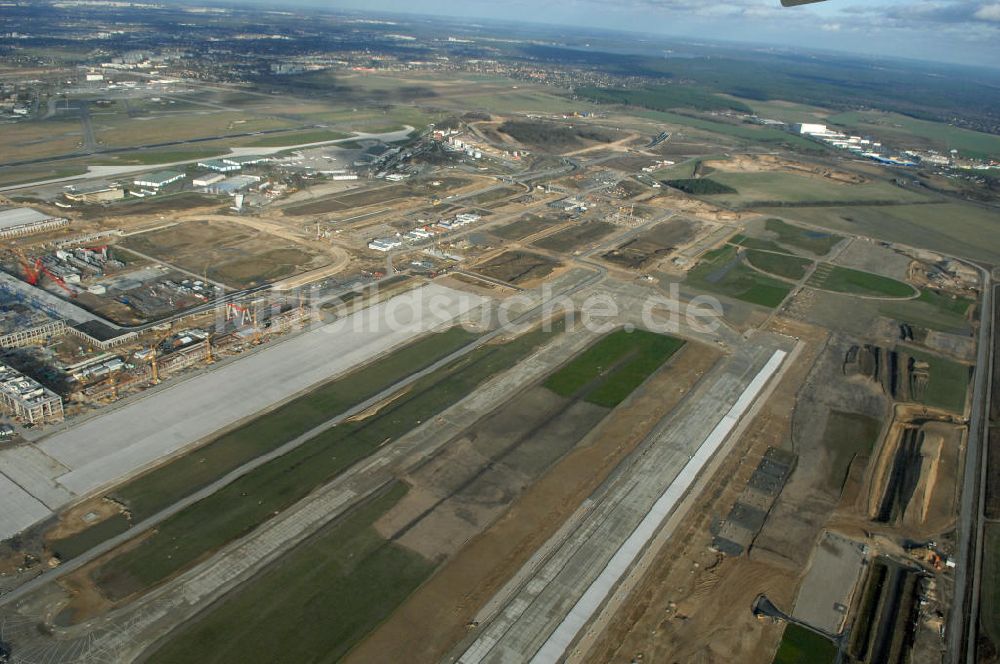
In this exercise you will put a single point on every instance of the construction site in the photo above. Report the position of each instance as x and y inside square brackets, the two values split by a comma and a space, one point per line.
[371, 375]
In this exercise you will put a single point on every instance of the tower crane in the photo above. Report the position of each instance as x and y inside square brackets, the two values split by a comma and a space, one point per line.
[34, 271]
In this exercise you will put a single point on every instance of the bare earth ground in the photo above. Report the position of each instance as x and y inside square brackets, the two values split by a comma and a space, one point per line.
[758, 163]
[695, 605]
[810, 496]
[931, 509]
[435, 616]
[476, 478]
[82, 516]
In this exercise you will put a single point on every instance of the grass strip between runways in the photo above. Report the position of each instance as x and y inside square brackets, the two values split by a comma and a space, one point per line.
[624, 359]
[243, 505]
[315, 604]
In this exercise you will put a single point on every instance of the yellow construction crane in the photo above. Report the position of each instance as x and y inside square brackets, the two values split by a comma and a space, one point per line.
[155, 367]
[256, 327]
[153, 361]
[209, 359]
[113, 384]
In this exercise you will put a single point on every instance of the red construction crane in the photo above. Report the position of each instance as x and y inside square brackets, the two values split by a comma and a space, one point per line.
[102, 250]
[31, 273]
[56, 278]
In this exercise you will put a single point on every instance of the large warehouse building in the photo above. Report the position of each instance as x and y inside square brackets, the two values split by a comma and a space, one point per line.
[24, 221]
[159, 179]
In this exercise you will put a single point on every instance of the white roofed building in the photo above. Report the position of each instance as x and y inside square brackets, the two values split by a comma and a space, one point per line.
[15, 222]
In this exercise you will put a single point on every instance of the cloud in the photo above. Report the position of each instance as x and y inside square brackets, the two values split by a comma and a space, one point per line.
[989, 12]
[926, 13]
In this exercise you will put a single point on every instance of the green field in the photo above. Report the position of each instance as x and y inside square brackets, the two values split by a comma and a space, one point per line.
[319, 600]
[959, 306]
[24, 175]
[162, 487]
[663, 98]
[700, 186]
[682, 171]
[815, 242]
[522, 101]
[298, 138]
[786, 111]
[846, 436]
[241, 506]
[990, 597]
[756, 243]
[152, 157]
[948, 383]
[722, 272]
[780, 265]
[777, 188]
[744, 132]
[958, 229]
[75, 545]
[117, 129]
[938, 134]
[855, 282]
[933, 313]
[622, 360]
[802, 646]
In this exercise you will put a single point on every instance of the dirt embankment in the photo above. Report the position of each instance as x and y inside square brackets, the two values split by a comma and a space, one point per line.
[761, 163]
[912, 485]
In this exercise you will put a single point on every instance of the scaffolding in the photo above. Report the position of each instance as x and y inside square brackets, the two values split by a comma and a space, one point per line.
[33, 335]
[26, 399]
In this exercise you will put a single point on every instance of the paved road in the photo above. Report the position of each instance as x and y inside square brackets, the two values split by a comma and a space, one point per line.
[91, 148]
[258, 548]
[964, 617]
[125, 457]
[161, 516]
[103, 172]
[87, 125]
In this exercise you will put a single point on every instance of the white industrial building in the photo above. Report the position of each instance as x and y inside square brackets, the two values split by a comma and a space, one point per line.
[26, 399]
[24, 221]
[246, 160]
[158, 179]
[806, 128]
[219, 165]
[233, 185]
[208, 179]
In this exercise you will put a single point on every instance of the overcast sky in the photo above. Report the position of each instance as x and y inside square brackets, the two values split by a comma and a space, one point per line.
[946, 30]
